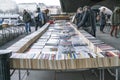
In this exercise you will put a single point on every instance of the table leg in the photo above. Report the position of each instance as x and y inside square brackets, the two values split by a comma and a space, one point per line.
[116, 76]
[103, 74]
[55, 76]
[19, 73]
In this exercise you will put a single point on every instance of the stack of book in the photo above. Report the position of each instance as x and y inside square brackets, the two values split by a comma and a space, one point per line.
[23, 44]
[63, 47]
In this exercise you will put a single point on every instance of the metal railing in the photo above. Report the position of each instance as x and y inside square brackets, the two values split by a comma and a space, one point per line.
[9, 33]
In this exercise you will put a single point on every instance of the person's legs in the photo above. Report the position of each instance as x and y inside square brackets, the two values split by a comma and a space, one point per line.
[36, 26]
[29, 27]
[116, 32]
[40, 24]
[102, 28]
[112, 30]
[26, 27]
[93, 32]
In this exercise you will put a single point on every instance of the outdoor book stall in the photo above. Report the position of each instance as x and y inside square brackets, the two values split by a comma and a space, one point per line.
[60, 46]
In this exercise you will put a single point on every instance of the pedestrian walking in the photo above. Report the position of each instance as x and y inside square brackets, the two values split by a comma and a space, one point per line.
[39, 19]
[27, 20]
[102, 20]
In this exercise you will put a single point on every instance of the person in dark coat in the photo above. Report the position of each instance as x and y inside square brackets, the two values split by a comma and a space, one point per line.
[79, 15]
[102, 20]
[27, 20]
[88, 21]
[39, 19]
[46, 15]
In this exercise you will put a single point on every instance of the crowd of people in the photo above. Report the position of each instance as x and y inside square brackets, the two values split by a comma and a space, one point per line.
[86, 18]
[40, 18]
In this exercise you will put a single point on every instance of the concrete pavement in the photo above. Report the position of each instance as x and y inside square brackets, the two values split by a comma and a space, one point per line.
[105, 37]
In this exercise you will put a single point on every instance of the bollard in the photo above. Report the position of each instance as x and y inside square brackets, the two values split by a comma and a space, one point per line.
[5, 64]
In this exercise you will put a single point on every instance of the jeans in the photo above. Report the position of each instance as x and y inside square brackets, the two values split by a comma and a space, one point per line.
[102, 27]
[27, 27]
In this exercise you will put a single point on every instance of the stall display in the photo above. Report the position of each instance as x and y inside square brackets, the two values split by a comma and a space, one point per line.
[63, 47]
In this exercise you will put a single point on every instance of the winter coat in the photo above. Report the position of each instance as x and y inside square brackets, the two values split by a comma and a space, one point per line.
[115, 18]
[88, 22]
[26, 17]
[88, 19]
[78, 17]
[46, 17]
[85, 20]
[102, 18]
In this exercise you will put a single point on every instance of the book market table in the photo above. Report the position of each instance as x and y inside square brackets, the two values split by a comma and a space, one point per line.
[61, 47]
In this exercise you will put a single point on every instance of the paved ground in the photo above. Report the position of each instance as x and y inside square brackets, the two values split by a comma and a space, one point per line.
[115, 42]
[69, 75]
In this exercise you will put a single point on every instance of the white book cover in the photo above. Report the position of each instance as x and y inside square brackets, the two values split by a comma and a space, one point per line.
[36, 51]
[36, 47]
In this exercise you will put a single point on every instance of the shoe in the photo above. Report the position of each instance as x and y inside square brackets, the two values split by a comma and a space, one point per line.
[102, 31]
[26, 33]
[116, 36]
[111, 35]
[29, 33]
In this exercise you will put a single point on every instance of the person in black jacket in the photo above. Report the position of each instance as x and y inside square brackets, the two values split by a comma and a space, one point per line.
[79, 15]
[102, 20]
[88, 22]
[27, 20]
